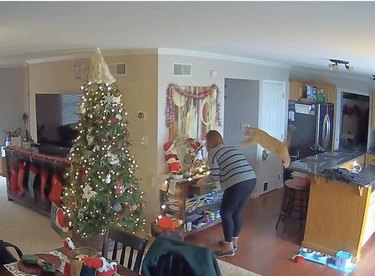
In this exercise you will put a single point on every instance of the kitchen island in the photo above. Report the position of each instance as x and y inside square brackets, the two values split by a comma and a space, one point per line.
[341, 209]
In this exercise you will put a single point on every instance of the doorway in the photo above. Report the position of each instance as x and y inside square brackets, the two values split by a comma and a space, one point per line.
[354, 121]
[241, 109]
[259, 104]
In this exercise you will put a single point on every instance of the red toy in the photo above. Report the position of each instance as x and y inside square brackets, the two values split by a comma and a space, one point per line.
[102, 266]
[298, 259]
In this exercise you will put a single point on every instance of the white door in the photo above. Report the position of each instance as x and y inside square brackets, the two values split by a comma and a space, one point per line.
[273, 107]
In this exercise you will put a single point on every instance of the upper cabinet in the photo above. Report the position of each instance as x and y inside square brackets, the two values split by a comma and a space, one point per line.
[297, 90]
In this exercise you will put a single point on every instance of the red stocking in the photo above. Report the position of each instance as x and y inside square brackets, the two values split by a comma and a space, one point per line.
[21, 175]
[56, 191]
[13, 179]
[43, 182]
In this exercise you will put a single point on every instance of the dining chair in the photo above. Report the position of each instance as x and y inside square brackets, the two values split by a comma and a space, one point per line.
[6, 257]
[171, 264]
[170, 257]
[116, 240]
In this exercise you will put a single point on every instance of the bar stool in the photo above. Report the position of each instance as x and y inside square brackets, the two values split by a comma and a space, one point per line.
[295, 200]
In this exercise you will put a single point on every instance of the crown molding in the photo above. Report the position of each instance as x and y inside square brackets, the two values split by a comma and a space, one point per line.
[89, 53]
[13, 65]
[60, 57]
[209, 55]
[130, 52]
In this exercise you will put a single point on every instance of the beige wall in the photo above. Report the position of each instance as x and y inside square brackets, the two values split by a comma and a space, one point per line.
[139, 89]
[13, 99]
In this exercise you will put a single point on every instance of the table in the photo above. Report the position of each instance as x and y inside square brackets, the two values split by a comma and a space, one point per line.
[121, 270]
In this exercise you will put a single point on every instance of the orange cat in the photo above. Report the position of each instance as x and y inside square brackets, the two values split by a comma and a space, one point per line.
[258, 136]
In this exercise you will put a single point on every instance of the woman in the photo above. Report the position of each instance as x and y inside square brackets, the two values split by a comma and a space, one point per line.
[237, 178]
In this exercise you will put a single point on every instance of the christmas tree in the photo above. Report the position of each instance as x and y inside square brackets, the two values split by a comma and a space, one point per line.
[102, 189]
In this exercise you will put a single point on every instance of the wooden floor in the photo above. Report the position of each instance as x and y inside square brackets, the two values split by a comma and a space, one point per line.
[266, 251]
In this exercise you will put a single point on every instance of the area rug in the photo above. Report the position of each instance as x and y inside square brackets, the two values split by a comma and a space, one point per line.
[27, 229]
[228, 269]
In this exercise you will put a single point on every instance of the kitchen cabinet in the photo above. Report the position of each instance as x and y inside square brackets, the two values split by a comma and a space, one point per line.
[369, 226]
[297, 90]
[373, 112]
[370, 159]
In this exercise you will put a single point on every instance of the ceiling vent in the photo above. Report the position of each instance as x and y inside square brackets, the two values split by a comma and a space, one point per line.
[117, 69]
[180, 69]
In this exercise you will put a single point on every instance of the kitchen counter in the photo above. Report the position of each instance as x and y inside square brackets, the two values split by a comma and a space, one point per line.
[321, 164]
[341, 208]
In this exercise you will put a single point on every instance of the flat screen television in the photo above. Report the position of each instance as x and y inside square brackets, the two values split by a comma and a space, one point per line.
[56, 118]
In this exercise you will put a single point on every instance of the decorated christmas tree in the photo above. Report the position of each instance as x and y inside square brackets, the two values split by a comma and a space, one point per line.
[102, 189]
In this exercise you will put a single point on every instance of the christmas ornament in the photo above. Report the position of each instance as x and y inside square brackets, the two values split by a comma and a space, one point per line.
[119, 189]
[120, 216]
[101, 73]
[80, 213]
[119, 117]
[82, 108]
[108, 178]
[88, 193]
[117, 207]
[89, 139]
[113, 159]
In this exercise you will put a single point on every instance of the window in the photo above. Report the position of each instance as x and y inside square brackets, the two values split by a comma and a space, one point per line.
[69, 108]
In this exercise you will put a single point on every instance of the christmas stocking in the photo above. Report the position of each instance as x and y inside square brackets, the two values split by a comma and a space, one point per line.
[43, 182]
[33, 171]
[13, 179]
[56, 191]
[21, 175]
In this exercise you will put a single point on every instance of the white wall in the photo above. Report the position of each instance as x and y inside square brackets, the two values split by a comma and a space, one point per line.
[241, 107]
[201, 67]
[13, 99]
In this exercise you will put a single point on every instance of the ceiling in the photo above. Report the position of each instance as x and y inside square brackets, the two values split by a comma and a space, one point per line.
[302, 34]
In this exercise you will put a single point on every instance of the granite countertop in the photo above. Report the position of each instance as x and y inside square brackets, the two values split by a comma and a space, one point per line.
[316, 164]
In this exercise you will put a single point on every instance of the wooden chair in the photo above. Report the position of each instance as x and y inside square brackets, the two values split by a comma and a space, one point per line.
[171, 264]
[117, 239]
[6, 257]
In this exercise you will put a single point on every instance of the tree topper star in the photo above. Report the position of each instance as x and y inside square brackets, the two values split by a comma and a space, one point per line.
[88, 193]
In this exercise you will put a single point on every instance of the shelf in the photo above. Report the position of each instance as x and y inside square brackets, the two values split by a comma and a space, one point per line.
[213, 205]
[207, 225]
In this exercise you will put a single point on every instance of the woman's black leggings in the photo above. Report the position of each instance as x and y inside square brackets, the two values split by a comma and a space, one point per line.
[234, 199]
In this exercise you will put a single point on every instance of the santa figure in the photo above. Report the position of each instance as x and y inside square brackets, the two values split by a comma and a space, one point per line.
[171, 157]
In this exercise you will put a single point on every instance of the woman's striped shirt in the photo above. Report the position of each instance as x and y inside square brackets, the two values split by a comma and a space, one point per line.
[229, 166]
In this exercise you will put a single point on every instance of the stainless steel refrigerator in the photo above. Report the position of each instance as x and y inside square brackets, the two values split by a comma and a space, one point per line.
[310, 127]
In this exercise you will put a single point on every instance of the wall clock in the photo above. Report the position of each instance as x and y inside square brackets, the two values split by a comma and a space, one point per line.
[80, 69]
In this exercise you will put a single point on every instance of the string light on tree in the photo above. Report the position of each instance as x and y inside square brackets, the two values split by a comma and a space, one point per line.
[95, 195]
